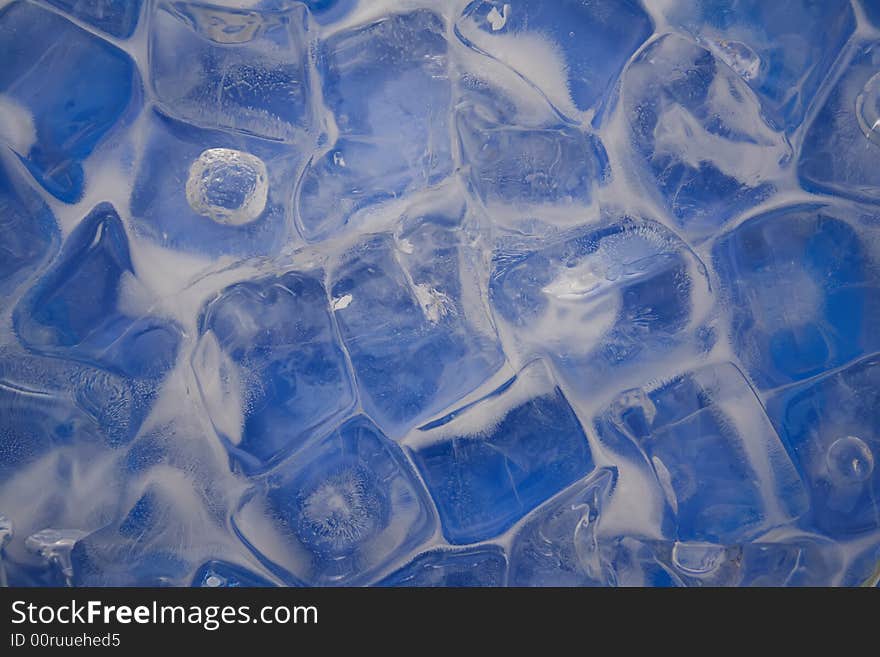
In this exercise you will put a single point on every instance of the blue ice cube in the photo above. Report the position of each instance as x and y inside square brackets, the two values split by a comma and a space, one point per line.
[67, 93]
[270, 366]
[491, 462]
[388, 89]
[115, 17]
[339, 510]
[801, 290]
[329, 11]
[832, 424]
[698, 128]
[842, 142]
[221, 574]
[406, 314]
[558, 545]
[589, 41]
[28, 234]
[524, 166]
[73, 310]
[212, 192]
[783, 50]
[472, 567]
[603, 301]
[724, 471]
[247, 69]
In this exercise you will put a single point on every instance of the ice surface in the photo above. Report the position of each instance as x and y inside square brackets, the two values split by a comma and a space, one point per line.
[270, 367]
[247, 69]
[698, 128]
[28, 235]
[490, 463]
[482, 566]
[783, 50]
[387, 87]
[801, 286]
[215, 574]
[409, 313]
[439, 293]
[116, 17]
[73, 89]
[337, 511]
[73, 311]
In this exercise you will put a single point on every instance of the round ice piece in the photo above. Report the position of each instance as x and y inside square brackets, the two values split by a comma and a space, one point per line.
[227, 186]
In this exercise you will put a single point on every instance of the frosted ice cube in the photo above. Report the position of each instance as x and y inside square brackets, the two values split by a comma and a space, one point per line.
[341, 509]
[247, 68]
[212, 192]
[603, 301]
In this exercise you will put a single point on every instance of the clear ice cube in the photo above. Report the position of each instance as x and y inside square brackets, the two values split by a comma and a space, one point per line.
[270, 367]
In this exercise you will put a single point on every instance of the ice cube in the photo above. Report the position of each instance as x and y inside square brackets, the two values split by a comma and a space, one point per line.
[603, 300]
[801, 289]
[270, 366]
[529, 166]
[411, 318]
[722, 467]
[73, 89]
[571, 50]
[115, 17]
[73, 310]
[28, 234]
[843, 140]
[388, 88]
[212, 192]
[558, 545]
[247, 68]
[481, 566]
[491, 462]
[340, 509]
[783, 50]
[698, 128]
[832, 424]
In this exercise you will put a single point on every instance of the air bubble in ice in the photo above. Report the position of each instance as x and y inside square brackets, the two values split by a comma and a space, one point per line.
[228, 186]
[850, 460]
[868, 109]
